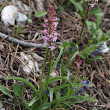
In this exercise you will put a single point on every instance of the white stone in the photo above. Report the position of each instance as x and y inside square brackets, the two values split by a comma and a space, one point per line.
[1, 46]
[2, 77]
[31, 66]
[29, 57]
[27, 8]
[23, 56]
[2, 108]
[37, 57]
[105, 48]
[53, 74]
[23, 7]
[9, 15]
[21, 19]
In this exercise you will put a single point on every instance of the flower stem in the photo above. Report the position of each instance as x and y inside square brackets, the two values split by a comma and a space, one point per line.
[83, 27]
[76, 73]
[50, 53]
[47, 50]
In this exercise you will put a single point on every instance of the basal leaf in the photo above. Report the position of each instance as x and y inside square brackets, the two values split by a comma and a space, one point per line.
[40, 13]
[5, 91]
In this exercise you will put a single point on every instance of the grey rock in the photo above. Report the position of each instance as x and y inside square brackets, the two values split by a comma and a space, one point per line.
[37, 57]
[9, 15]
[21, 19]
[2, 108]
[1, 47]
[2, 77]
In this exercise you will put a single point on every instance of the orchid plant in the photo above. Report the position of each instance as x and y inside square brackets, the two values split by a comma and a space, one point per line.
[69, 90]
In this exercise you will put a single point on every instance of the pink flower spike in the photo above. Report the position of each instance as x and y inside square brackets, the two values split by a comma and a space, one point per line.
[77, 61]
[46, 20]
[50, 34]
[45, 31]
[56, 23]
[54, 39]
[55, 34]
[55, 18]
[92, 4]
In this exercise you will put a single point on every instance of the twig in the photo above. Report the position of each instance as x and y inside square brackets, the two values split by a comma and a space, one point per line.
[23, 43]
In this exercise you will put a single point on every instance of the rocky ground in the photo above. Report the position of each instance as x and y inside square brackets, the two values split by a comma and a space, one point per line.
[15, 62]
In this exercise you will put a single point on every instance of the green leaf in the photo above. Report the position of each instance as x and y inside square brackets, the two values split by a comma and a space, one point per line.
[51, 94]
[18, 90]
[5, 91]
[57, 60]
[29, 20]
[68, 105]
[87, 50]
[32, 101]
[58, 96]
[24, 81]
[45, 105]
[61, 8]
[99, 34]
[81, 99]
[71, 60]
[19, 29]
[96, 11]
[3, 5]
[40, 14]
[99, 19]
[95, 108]
[97, 58]
[77, 5]
[1, 105]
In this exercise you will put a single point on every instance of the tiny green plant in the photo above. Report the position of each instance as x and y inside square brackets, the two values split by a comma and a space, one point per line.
[19, 29]
[12, 37]
[3, 5]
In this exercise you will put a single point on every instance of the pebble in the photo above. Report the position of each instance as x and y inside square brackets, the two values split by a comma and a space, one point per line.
[2, 108]
[53, 74]
[37, 57]
[2, 77]
[9, 15]
[23, 56]
[23, 7]
[21, 19]
[105, 48]
[31, 66]
[1, 47]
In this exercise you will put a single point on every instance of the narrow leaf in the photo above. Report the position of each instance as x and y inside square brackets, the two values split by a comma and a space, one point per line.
[32, 101]
[1, 104]
[24, 81]
[5, 91]
[40, 13]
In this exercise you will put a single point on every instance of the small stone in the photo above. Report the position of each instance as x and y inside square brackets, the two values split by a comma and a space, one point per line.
[37, 57]
[53, 74]
[105, 48]
[23, 56]
[21, 19]
[2, 77]
[27, 8]
[31, 66]
[10, 100]
[1, 47]
[29, 57]
[9, 15]
[2, 108]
